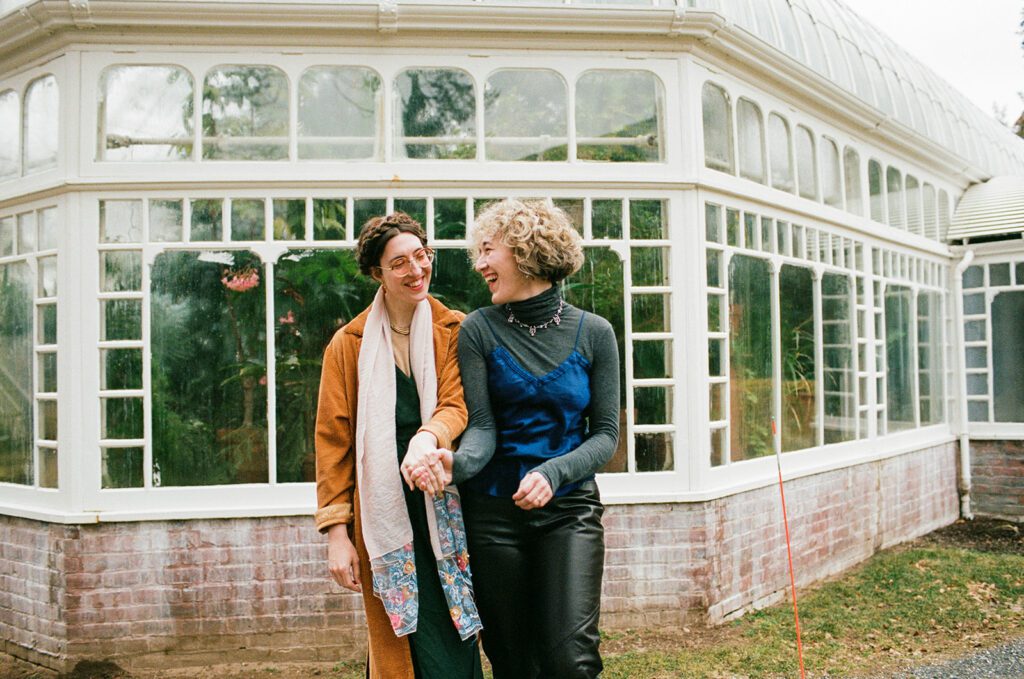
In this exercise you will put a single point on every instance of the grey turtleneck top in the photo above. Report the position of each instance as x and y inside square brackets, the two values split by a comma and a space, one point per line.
[539, 355]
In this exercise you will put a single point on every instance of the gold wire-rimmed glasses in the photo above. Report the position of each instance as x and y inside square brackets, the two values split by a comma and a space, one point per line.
[401, 266]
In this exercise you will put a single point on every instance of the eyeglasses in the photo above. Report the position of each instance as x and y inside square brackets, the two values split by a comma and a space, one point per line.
[401, 265]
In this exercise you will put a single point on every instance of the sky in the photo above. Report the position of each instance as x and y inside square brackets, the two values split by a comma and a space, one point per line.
[975, 45]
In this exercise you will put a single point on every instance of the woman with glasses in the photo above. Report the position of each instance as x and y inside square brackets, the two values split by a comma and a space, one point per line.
[390, 398]
[542, 386]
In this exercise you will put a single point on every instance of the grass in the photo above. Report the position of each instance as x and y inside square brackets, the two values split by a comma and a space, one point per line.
[903, 607]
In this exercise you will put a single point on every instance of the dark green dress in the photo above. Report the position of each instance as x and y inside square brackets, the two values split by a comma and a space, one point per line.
[437, 650]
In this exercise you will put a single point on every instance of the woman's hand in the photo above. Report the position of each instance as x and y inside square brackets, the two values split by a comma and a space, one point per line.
[342, 558]
[422, 456]
[534, 492]
[435, 476]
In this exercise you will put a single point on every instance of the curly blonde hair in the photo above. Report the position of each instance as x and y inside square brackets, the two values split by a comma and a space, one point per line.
[541, 236]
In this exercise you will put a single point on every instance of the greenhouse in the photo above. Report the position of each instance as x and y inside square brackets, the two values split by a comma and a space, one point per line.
[786, 218]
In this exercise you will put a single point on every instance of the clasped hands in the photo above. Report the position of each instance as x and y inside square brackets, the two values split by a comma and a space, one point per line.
[429, 468]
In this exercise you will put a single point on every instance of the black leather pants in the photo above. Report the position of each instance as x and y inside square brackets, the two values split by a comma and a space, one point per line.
[537, 581]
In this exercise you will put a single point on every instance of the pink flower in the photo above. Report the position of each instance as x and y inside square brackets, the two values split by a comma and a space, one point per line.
[241, 280]
[287, 319]
[263, 380]
[395, 621]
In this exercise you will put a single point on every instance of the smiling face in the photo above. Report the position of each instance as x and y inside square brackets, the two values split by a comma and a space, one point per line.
[497, 264]
[411, 288]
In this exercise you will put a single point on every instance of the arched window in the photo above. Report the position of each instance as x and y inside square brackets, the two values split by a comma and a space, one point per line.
[931, 215]
[340, 113]
[245, 113]
[10, 137]
[851, 177]
[435, 114]
[894, 192]
[526, 115]
[145, 113]
[831, 177]
[780, 158]
[619, 116]
[750, 130]
[41, 115]
[915, 221]
[806, 165]
[877, 191]
[717, 116]
[944, 214]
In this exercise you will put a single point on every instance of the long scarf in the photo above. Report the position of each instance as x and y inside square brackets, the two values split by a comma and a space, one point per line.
[387, 531]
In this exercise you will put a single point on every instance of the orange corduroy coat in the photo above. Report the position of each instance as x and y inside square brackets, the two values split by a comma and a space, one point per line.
[337, 486]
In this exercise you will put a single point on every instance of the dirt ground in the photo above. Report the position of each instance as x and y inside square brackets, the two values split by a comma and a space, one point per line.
[987, 535]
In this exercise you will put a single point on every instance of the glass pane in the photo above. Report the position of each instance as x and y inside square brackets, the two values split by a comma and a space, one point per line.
[122, 418]
[47, 276]
[929, 356]
[974, 331]
[898, 358]
[831, 179]
[717, 128]
[435, 114]
[48, 373]
[329, 219]
[526, 115]
[247, 219]
[366, 209]
[718, 447]
[651, 313]
[977, 411]
[48, 229]
[121, 271]
[1007, 368]
[48, 420]
[974, 276]
[16, 427]
[209, 368]
[27, 240]
[449, 218]
[732, 227]
[750, 357]
[47, 324]
[838, 345]
[456, 283]
[713, 223]
[652, 405]
[806, 172]
[778, 153]
[894, 191]
[650, 266]
[145, 113]
[315, 293]
[915, 217]
[851, 178]
[122, 319]
[339, 113]
[977, 385]
[717, 402]
[120, 369]
[714, 313]
[207, 222]
[42, 112]
[714, 264]
[120, 221]
[245, 113]
[414, 207]
[999, 274]
[653, 452]
[606, 219]
[618, 116]
[1020, 273]
[122, 468]
[648, 219]
[750, 239]
[976, 357]
[750, 131]
[875, 189]
[165, 221]
[10, 141]
[47, 467]
[289, 219]
[799, 383]
[6, 236]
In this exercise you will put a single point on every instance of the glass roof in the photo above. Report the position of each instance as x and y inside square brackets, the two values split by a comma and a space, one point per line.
[830, 38]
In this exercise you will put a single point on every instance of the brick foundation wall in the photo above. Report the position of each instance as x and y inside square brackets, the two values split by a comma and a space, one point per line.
[997, 479]
[208, 591]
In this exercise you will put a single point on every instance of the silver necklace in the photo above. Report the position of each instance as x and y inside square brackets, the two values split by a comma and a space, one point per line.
[556, 319]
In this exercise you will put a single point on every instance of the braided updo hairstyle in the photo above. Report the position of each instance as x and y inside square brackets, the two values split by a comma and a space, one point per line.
[376, 233]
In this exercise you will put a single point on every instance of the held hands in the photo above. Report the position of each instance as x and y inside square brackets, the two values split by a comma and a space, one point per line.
[426, 466]
[342, 559]
[534, 492]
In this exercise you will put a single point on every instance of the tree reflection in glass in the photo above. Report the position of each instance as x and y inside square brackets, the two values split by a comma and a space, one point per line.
[750, 357]
[16, 435]
[799, 381]
[245, 113]
[526, 115]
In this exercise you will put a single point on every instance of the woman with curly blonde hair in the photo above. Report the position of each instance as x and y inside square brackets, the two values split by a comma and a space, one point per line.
[541, 380]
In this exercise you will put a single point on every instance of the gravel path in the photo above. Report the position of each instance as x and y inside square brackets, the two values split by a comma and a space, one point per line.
[1001, 662]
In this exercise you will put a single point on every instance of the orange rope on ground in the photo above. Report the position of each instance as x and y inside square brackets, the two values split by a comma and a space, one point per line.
[789, 553]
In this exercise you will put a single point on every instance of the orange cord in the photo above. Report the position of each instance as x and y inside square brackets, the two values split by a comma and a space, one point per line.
[789, 553]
